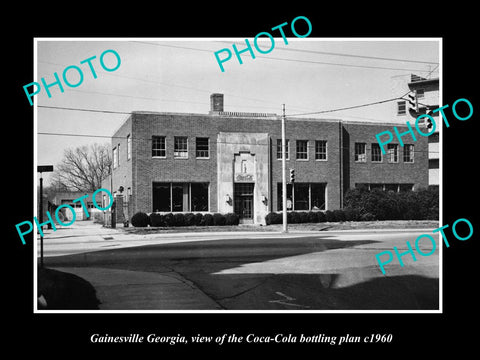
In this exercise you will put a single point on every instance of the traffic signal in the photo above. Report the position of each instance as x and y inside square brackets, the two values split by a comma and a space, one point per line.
[292, 175]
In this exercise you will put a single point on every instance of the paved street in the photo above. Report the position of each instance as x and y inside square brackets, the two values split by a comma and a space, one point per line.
[246, 270]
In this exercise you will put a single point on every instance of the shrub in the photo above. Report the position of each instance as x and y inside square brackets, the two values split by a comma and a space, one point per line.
[420, 204]
[330, 216]
[339, 215]
[189, 219]
[199, 220]
[208, 219]
[312, 217]
[140, 219]
[321, 216]
[218, 219]
[273, 218]
[294, 217]
[168, 219]
[352, 214]
[178, 219]
[232, 219]
[367, 217]
[303, 217]
[156, 219]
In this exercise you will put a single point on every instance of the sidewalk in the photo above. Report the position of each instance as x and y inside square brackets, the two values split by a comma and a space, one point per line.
[137, 290]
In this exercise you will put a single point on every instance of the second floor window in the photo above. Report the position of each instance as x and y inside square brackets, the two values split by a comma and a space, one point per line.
[115, 157]
[320, 150]
[360, 152]
[392, 153]
[408, 151]
[158, 146]
[201, 147]
[180, 147]
[401, 108]
[376, 153]
[302, 149]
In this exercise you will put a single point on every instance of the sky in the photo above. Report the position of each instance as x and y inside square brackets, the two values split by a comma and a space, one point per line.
[178, 75]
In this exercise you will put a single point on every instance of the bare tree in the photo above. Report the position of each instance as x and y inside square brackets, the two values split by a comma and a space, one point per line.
[83, 168]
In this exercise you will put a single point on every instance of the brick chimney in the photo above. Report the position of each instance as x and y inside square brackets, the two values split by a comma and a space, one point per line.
[216, 103]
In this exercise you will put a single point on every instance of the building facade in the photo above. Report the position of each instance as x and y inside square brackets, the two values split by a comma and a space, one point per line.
[231, 162]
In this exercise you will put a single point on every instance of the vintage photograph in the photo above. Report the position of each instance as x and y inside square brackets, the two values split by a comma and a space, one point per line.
[268, 174]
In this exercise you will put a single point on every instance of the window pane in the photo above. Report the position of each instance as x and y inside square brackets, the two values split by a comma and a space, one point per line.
[180, 147]
[161, 197]
[401, 108]
[408, 151]
[392, 153]
[318, 196]
[301, 197]
[202, 147]
[302, 149]
[115, 159]
[391, 187]
[280, 198]
[199, 196]
[158, 146]
[360, 152]
[320, 150]
[177, 197]
[376, 152]
[279, 148]
[406, 187]
[129, 147]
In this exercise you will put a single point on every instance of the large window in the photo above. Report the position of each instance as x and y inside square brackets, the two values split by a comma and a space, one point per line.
[392, 151]
[360, 152]
[180, 147]
[201, 147]
[280, 198]
[302, 149]
[320, 150]
[376, 153]
[303, 196]
[408, 151]
[179, 197]
[199, 196]
[159, 146]
[279, 149]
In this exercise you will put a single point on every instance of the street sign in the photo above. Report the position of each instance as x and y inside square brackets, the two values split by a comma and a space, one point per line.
[44, 168]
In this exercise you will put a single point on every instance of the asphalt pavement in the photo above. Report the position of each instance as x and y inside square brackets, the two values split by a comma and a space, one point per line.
[264, 271]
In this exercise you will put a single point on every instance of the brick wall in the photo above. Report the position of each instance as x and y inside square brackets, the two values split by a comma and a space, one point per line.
[142, 170]
[383, 172]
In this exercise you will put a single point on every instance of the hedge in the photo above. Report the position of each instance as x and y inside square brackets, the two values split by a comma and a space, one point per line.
[142, 219]
[366, 205]
[422, 204]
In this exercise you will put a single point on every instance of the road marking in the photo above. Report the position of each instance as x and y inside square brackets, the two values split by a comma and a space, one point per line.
[287, 298]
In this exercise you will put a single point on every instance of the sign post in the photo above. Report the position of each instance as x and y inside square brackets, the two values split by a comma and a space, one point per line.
[41, 169]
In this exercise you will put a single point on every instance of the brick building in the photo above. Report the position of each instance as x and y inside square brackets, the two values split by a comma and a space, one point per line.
[231, 162]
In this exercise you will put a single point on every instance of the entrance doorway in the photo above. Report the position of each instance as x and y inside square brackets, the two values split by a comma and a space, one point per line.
[243, 201]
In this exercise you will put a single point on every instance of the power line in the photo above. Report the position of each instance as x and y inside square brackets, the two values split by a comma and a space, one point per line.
[298, 60]
[351, 107]
[350, 55]
[87, 110]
